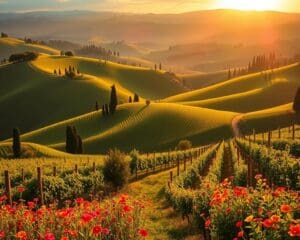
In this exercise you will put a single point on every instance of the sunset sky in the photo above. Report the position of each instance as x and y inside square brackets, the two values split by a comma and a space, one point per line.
[146, 6]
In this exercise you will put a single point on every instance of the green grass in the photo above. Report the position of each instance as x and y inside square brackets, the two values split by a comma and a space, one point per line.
[245, 90]
[200, 80]
[253, 100]
[158, 126]
[9, 46]
[147, 83]
[31, 99]
[269, 119]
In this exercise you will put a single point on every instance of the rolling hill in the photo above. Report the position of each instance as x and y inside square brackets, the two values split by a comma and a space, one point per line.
[9, 46]
[158, 126]
[240, 94]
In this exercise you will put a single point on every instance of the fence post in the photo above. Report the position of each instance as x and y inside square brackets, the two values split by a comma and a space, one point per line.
[40, 184]
[54, 171]
[171, 176]
[263, 137]
[269, 139]
[8, 187]
[94, 167]
[76, 168]
[293, 132]
[279, 133]
[254, 135]
[184, 164]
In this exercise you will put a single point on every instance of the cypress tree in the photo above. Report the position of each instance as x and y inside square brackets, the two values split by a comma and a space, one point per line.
[74, 140]
[229, 74]
[96, 106]
[130, 99]
[113, 100]
[296, 105]
[69, 135]
[80, 145]
[16, 143]
[160, 66]
[103, 110]
[136, 98]
[55, 71]
[59, 72]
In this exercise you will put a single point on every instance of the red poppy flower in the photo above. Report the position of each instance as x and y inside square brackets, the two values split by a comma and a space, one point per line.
[49, 236]
[21, 235]
[21, 189]
[143, 232]
[86, 217]
[207, 223]
[2, 234]
[105, 231]
[294, 230]
[97, 230]
[285, 208]
[275, 218]
[267, 223]
[3, 198]
[240, 234]
[239, 224]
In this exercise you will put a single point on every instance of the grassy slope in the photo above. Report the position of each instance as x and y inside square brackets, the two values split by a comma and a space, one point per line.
[9, 46]
[39, 99]
[239, 85]
[244, 102]
[269, 119]
[146, 82]
[154, 127]
[200, 80]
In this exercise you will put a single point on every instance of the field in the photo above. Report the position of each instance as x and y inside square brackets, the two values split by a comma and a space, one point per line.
[197, 156]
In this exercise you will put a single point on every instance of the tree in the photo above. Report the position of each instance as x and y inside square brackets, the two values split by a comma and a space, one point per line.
[116, 169]
[79, 145]
[184, 145]
[55, 71]
[296, 105]
[69, 54]
[59, 72]
[130, 99]
[22, 57]
[113, 100]
[69, 136]
[103, 110]
[160, 66]
[96, 106]
[136, 98]
[16, 143]
[106, 110]
[4, 35]
[155, 67]
[229, 74]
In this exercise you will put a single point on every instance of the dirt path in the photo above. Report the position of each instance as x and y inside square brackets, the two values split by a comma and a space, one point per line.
[235, 125]
[162, 221]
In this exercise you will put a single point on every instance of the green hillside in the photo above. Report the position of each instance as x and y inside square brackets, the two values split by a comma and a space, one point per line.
[288, 74]
[31, 99]
[9, 46]
[158, 126]
[244, 102]
[147, 83]
[269, 119]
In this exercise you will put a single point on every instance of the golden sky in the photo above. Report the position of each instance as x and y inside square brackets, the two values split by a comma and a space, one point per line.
[146, 6]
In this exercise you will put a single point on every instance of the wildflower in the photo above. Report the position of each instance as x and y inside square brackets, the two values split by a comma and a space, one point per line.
[64, 238]
[2, 234]
[97, 230]
[143, 232]
[207, 223]
[239, 224]
[86, 217]
[3, 198]
[105, 231]
[21, 189]
[249, 218]
[240, 234]
[275, 218]
[21, 235]
[79, 201]
[294, 230]
[49, 236]
[285, 208]
[267, 223]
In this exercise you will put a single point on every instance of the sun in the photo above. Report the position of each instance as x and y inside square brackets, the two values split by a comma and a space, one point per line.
[258, 5]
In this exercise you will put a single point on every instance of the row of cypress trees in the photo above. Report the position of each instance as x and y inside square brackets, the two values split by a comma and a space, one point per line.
[73, 141]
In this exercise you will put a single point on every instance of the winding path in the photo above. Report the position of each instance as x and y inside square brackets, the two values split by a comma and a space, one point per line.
[235, 125]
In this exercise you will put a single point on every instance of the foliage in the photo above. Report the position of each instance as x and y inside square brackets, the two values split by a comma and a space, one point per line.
[16, 143]
[296, 105]
[115, 169]
[184, 145]
[22, 57]
[118, 218]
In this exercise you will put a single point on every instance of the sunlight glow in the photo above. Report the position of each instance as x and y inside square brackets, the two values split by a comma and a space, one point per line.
[259, 5]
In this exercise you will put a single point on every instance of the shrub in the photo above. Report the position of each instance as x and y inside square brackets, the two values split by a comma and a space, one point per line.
[184, 145]
[22, 57]
[115, 169]
[69, 53]
[134, 155]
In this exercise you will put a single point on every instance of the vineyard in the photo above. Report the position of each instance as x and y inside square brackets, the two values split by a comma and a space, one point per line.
[241, 189]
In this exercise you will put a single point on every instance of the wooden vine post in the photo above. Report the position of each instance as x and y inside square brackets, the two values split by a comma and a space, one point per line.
[178, 166]
[279, 133]
[269, 139]
[171, 176]
[94, 167]
[54, 171]
[184, 164]
[293, 132]
[254, 135]
[8, 187]
[40, 185]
